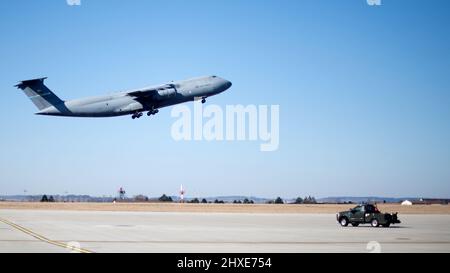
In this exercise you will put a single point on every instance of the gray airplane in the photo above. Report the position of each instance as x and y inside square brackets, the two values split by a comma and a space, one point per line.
[132, 102]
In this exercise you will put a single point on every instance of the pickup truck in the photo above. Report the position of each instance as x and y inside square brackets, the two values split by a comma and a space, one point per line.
[366, 214]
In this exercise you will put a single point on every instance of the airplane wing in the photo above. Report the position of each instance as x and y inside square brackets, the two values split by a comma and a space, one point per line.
[145, 93]
[150, 96]
[151, 91]
[144, 97]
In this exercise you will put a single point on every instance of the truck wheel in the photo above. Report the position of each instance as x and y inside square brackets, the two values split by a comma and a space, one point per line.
[374, 223]
[343, 222]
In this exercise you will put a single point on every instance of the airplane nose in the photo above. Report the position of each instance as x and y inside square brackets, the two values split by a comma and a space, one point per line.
[225, 84]
[222, 84]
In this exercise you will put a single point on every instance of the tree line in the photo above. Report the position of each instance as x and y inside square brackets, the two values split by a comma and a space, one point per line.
[278, 200]
[47, 199]
[165, 198]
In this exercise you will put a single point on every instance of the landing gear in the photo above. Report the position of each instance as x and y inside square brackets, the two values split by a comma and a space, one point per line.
[149, 113]
[136, 115]
[203, 101]
[152, 112]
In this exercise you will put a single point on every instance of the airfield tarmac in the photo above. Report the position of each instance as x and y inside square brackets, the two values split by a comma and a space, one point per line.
[27, 227]
[47, 229]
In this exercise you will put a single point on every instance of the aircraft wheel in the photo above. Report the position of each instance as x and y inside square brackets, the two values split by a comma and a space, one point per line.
[152, 112]
[203, 100]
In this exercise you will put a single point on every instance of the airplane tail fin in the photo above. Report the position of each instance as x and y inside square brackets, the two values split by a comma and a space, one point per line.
[38, 93]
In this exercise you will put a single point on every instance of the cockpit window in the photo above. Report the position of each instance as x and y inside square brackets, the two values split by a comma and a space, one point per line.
[214, 77]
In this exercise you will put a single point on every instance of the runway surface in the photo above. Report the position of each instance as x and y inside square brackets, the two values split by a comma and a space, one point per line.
[103, 231]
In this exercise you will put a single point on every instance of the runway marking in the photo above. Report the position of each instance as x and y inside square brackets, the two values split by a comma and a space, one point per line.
[44, 239]
[262, 243]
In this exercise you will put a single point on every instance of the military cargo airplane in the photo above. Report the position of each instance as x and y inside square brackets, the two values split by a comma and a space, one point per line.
[131, 102]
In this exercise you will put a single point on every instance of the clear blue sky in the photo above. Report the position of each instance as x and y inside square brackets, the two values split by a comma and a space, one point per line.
[364, 95]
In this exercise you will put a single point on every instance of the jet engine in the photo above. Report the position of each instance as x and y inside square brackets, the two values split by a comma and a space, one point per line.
[165, 93]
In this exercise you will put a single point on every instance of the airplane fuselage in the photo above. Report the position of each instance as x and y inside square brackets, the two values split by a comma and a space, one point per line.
[140, 100]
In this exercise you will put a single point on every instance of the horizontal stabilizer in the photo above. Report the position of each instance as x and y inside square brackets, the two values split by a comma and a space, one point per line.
[38, 93]
[23, 84]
